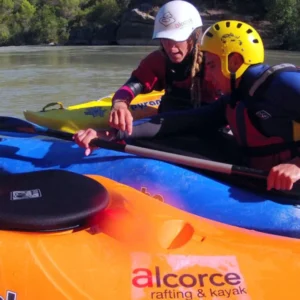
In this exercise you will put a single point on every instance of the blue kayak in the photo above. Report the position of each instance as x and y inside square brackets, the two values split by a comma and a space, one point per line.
[204, 194]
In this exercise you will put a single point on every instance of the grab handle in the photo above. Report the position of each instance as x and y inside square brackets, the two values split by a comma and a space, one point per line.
[61, 106]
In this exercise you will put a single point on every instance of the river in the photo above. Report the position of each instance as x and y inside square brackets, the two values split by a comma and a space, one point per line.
[33, 76]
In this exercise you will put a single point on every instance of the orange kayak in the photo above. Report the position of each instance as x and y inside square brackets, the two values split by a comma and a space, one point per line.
[69, 236]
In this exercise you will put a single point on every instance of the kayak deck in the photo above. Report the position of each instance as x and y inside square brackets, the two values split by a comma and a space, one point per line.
[219, 198]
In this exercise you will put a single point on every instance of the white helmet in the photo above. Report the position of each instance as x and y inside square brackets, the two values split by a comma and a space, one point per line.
[176, 20]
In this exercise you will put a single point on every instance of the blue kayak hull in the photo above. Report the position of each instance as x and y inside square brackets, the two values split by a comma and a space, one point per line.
[183, 188]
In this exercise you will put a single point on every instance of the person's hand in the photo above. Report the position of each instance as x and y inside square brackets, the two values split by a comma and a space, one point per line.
[283, 176]
[84, 137]
[120, 117]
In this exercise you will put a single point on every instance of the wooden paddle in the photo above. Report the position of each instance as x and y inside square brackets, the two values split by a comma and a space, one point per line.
[12, 124]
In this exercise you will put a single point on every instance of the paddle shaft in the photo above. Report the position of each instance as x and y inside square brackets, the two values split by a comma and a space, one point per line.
[20, 125]
[181, 159]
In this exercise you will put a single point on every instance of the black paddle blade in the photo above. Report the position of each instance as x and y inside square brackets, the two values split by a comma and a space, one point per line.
[19, 125]
[51, 200]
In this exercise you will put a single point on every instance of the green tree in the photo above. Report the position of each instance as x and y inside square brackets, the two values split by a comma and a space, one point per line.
[25, 14]
[103, 12]
[284, 15]
[45, 25]
[4, 34]
[6, 9]
[68, 9]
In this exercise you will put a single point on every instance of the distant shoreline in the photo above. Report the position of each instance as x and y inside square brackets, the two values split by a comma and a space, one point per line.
[269, 45]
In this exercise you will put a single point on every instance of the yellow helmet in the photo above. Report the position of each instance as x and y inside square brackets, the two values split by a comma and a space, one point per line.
[230, 36]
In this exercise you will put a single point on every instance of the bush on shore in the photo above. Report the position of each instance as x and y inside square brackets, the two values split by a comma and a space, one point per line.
[24, 22]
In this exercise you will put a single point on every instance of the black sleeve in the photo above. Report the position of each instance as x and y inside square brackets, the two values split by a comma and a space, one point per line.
[135, 85]
[209, 117]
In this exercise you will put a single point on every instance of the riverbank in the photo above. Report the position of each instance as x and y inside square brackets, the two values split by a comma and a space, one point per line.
[131, 22]
[264, 27]
[135, 27]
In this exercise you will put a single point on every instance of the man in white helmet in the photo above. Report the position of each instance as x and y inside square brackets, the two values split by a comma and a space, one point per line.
[175, 67]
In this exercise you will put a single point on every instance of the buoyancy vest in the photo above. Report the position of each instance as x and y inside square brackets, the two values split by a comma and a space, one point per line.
[178, 86]
[255, 126]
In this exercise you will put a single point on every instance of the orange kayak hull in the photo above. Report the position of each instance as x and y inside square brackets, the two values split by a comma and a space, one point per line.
[142, 248]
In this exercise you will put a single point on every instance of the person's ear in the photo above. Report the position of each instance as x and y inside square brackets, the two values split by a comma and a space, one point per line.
[235, 61]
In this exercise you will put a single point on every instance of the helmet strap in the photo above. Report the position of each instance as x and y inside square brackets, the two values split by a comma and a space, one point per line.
[233, 96]
[232, 82]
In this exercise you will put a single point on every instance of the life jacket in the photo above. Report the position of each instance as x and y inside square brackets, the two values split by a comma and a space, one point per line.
[176, 97]
[262, 150]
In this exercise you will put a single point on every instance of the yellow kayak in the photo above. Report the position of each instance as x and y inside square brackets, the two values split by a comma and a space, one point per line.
[92, 114]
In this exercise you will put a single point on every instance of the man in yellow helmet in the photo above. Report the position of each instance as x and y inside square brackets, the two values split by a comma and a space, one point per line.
[260, 104]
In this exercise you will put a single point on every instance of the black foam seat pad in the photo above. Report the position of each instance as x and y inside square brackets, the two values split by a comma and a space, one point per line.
[51, 200]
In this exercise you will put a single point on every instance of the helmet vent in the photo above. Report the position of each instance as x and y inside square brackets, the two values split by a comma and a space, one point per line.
[249, 31]
[227, 24]
[255, 41]
[217, 27]
[209, 34]
[239, 25]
